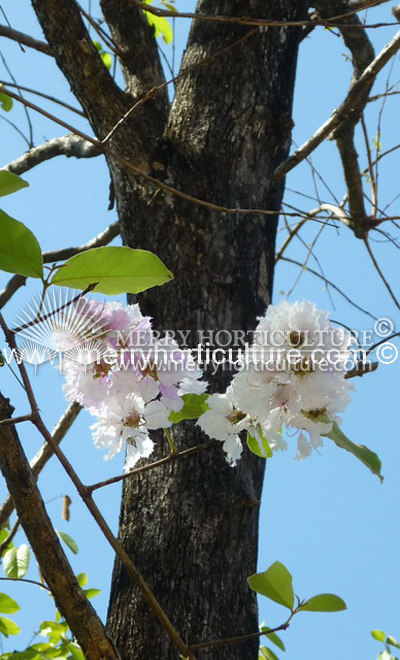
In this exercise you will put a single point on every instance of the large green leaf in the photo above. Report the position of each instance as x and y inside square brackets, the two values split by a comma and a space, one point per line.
[8, 627]
[324, 603]
[115, 269]
[161, 26]
[365, 455]
[194, 405]
[276, 583]
[10, 183]
[16, 561]
[19, 250]
[69, 542]
[8, 605]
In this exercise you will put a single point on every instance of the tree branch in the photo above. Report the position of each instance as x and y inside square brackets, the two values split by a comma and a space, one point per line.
[138, 53]
[56, 570]
[44, 454]
[80, 62]
[67, 145]
[353, 97]
[24, 39]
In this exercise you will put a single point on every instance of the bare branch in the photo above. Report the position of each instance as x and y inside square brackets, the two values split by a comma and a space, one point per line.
[44, 96]
[329, 283]
[44, 454]
[67, 145]
[24, 39]
[245, 20]
[380, 273]
[339, 115]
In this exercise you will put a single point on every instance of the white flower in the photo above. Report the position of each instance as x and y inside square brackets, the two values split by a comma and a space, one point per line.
[223, 421]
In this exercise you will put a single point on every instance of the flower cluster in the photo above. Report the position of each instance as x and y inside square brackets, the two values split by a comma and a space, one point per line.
[125, 377]
[295, 377]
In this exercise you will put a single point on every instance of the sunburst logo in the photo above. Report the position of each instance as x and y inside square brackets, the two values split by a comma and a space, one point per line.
[63, 326]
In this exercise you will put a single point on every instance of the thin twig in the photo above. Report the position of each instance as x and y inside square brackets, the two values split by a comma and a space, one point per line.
[331, 284]
[25, 39]
[380, 273]
[25, 580]
[339, 114]
[150, 466]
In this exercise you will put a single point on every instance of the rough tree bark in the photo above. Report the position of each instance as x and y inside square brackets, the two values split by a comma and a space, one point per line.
[191, 527]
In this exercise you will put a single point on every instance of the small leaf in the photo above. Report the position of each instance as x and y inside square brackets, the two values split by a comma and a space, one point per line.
[273, 637]
[379, 635]
[91, 593]
[116, 269]
[16, 562]
[391, 641]
[5, 101]
[75, 651]
[69, 542]
[19, 250]
[259, 445]
[276, 583]
[194, 406]
[267, 654]
[10, 183]
[82, 579]
[324, 603]
[8, 605]
[8, 627]
[53, 630]
[106, 59]
[365, 455]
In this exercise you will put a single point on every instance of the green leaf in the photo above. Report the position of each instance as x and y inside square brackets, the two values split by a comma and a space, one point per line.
[194, 405]
[8, 627]
[10, 183]
[379, 635]
[365, 455]
[106, 59]
[273, 637]
[8, 605]
[116, 269]
[91, 593]
[267, 654]
[324, 603]
[69, 542]
[53, 630]
[3, 535]
[75, 651]
[161, 26]
[259, 446]
[5, 101]
[16, 561]
[276, 583]
[82, 579]
[19, 250]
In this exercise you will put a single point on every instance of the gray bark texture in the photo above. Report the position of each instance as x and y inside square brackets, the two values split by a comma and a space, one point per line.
[191, 527]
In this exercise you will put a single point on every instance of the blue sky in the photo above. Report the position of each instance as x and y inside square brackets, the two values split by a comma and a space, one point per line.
[326, 518]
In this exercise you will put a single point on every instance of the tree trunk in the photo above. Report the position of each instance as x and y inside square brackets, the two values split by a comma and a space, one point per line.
[192, 526]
